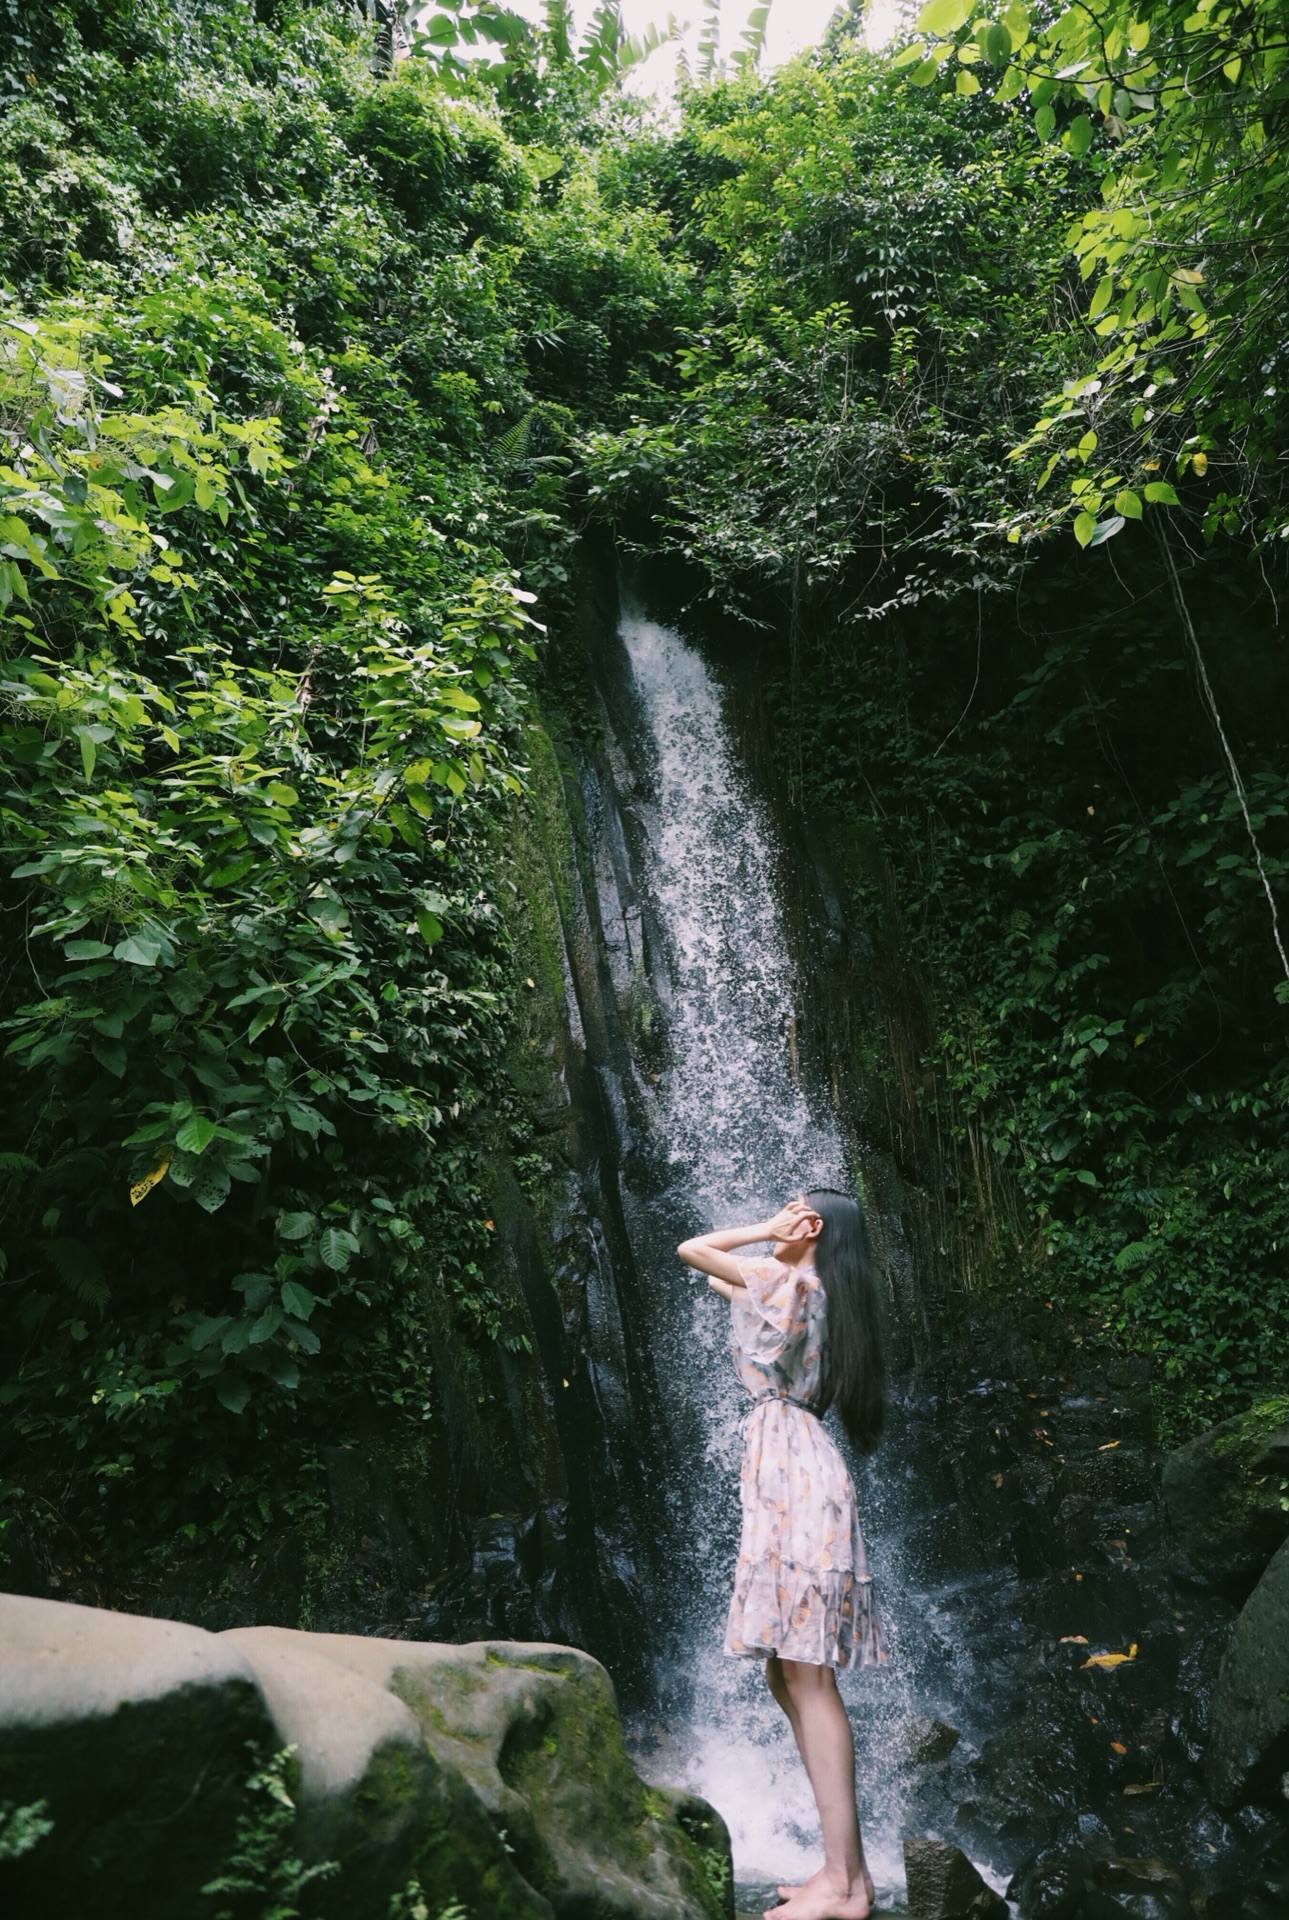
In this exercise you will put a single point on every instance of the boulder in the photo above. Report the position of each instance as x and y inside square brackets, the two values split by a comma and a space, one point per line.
[924, 1742]
[372, 1796]
[134, 1735]
[493, 1775]
[1224, 1491]
[943, 1884]
[1249, 1717]
[534, 1731]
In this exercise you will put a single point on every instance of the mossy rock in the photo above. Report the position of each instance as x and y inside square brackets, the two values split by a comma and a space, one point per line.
[531, 1733]
[1248, 1750]
[132, 1736]
[1227, 1494]
[535, 1731]
[492, 1775]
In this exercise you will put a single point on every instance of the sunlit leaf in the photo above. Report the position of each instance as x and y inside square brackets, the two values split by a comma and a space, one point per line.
[942, 17]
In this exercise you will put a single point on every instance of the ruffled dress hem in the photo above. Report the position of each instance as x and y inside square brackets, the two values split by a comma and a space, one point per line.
[821, 1617]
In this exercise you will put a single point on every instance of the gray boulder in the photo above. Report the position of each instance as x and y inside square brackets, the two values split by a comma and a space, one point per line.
[1249, 1717]
[134, 1734]
[371, 1794]
[493, 1775]
[943, 1884]
[533, 1731]
[1224, 1492]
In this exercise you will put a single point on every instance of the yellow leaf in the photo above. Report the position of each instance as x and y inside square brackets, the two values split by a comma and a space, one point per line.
[1073, 1640]
[1109, 1446]
[1199, 463]
[1112, 1659]
[1117, 1746]
[148, 1182]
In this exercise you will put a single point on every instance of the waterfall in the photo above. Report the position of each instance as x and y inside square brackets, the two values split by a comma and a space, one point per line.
[734, 1134]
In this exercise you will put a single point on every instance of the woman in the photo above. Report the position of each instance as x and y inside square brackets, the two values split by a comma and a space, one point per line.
[806, 1337]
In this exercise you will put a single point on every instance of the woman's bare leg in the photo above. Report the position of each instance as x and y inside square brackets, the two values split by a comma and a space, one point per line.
[778, 1685]
[776, 1681]
[843, 1888]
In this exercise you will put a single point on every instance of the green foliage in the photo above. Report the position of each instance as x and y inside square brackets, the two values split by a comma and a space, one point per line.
[879, 283]
[303, 371]
[264, 1876]
[22, 1828]
[1086, 921]
[413, 1904]
[261, 670]
[1180, 108]
[1056, 853]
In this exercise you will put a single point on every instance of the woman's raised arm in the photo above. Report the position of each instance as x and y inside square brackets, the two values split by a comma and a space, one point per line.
[711, 1253]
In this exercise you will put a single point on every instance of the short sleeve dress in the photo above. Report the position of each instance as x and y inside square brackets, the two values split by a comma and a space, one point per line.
[802, 1588]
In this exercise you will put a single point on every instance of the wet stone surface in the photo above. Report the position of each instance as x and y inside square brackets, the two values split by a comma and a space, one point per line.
[1080, 1656]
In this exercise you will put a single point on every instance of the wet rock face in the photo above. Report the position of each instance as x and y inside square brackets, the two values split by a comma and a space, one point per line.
[1249, 1724]
[1225, 1493]
[1071, 1883]
[926, 1742]
[1081, 1654]
[943, 1884]
[493, 1774]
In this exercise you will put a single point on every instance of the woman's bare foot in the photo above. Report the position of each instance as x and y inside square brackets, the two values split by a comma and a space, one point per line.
[824, 1898]
[786, 1892]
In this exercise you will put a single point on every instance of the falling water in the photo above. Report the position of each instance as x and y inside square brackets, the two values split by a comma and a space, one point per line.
[737, 1134]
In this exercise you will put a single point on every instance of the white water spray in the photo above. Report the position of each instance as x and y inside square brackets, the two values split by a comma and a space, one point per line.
[742, 1136]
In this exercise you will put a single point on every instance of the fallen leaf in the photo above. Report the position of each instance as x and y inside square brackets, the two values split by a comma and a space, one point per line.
[998, 1479]
[1109, 1446]
[1117, 1746]
[1112, 1659]
[1073, 1640]
[1141, 1786]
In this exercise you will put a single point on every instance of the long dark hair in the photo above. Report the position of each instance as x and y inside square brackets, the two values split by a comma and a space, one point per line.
[854, 1367]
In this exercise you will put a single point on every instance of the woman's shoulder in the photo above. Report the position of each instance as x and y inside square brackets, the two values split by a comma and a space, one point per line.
[778, 1272]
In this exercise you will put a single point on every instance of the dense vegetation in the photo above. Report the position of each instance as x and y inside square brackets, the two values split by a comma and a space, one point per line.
[310, 372]
[1060, 772]
[262, 380]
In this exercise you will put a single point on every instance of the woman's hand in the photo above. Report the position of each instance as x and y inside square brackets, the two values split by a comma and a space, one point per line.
[797, 1217]
[712, 1253]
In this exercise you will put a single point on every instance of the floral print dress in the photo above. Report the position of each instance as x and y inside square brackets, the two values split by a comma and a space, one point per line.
[801, 1586]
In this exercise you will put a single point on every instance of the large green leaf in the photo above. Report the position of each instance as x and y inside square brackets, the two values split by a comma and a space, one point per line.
[942, 17]
[196, 1134]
